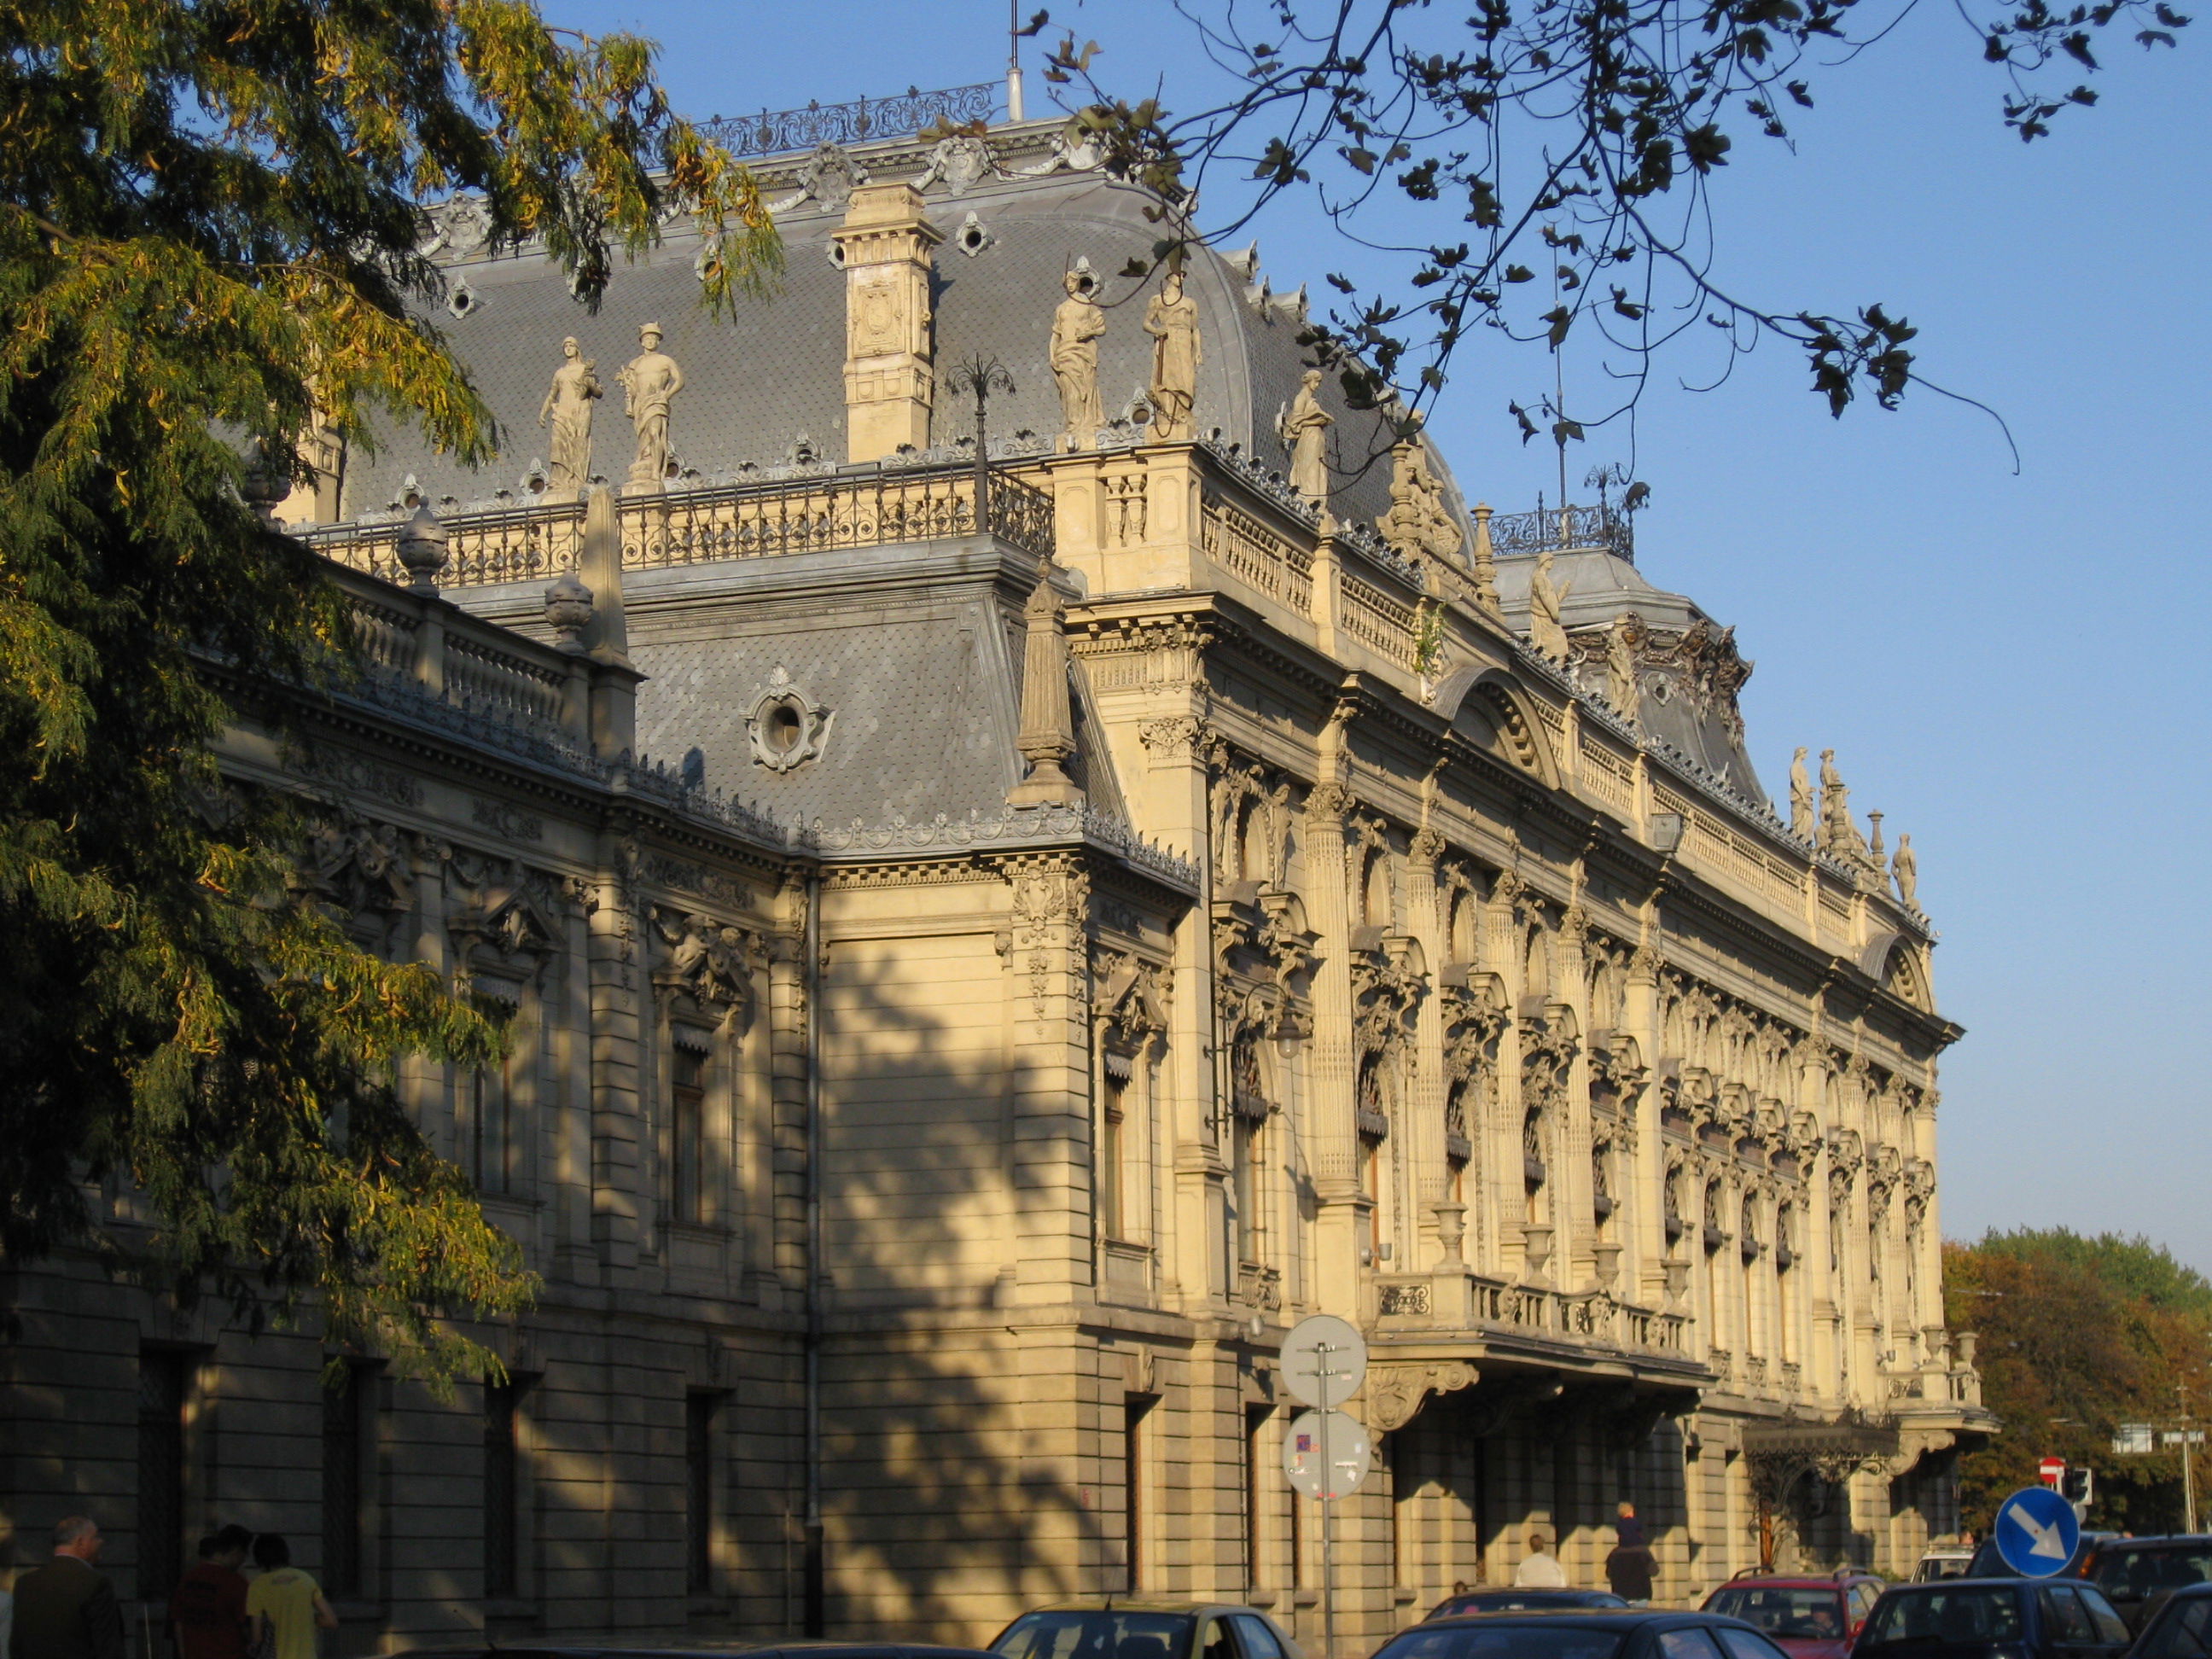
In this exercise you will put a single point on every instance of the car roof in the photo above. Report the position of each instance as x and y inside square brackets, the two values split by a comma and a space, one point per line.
[1140, 1604]
[1595, 1618]
[722, 1651]
[1792, 1581]
[2162, 1538]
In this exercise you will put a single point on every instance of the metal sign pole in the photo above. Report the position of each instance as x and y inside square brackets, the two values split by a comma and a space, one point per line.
[1327, 1533]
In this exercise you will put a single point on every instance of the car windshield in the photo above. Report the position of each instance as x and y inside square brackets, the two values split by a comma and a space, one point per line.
[1988, 1613]
[1811, 1612]
[1096, 1635]
[1505, 1638]
[2136, 1574]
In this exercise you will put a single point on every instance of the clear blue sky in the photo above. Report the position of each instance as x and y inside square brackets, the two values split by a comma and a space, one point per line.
[2014, 668]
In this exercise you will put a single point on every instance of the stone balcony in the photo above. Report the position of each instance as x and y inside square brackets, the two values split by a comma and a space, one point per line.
[1494, 1318]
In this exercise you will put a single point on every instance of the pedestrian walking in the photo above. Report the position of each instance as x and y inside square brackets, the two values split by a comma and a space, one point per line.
[67, 1609]
[1539, 1569]
[285, 1605]
[1629, 1567]
[207, 1611]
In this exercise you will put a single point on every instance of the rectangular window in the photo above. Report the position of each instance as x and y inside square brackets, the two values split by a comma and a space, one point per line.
[1256, 1428]
[1111, 1215]
[687, 1125]
[487, 1120]
[1134, 1409]
[502, 1477]
[163, 1376]
[700, 1470]
[344, 1437]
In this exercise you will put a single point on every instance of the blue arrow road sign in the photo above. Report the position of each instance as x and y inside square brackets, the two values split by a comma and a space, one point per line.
[2037, 1533]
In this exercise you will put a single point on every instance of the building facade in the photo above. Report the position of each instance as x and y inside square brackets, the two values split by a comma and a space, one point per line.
[990, 948]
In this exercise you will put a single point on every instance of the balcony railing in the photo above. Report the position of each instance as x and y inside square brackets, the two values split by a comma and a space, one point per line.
[773, 132]
[1559, 529]
[533, 542]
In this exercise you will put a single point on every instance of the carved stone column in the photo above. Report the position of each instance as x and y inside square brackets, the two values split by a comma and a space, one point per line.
[1646, 1175]
[1430, 1184]
[1333, 1137]
[890, 376]
[1498, 1154]
[1051, 1154]
[620, 1209]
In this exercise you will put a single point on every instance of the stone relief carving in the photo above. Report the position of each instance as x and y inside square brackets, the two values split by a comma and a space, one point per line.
[710, 962]
[357, 866]
[339, 768]
[504, 820]
[1072, 149]
[1172, 321]
[1077, 325]
[497, 907]
[1418, 521]
[961, 161]
[650, 381]
[1129, 996]
[829, 177]
[1395, 1393]
[567, 408]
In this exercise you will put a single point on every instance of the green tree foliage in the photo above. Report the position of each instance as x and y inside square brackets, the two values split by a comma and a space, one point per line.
[2078, 1336]
[209, 213]
[1542, 167]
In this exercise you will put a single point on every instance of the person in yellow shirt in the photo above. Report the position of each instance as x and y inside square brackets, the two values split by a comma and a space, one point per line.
[285, 1600]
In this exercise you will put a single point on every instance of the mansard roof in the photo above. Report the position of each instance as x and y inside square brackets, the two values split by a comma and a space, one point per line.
[768, 380]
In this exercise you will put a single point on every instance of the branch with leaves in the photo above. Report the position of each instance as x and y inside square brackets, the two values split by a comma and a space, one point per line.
[1570, 146]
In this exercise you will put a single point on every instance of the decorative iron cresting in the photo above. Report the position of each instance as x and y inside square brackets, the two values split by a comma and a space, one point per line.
[773, 132]
[1603, 525]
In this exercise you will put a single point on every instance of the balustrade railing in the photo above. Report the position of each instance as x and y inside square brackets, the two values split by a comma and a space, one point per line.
[1457, 1301]
[711, 523]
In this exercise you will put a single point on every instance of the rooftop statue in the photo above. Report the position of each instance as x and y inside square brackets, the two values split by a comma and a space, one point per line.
[568, 406]
[1546, 632]
[1801, 798]
[1172, 321]
[650, 382]
[1838, 834]
[1076, 328]
[1304, 431]
[1418, 521]
[1620, 668]
[1905, 866]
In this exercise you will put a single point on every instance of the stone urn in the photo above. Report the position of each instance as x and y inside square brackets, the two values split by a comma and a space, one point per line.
[423, 542]
[1605, 1260]
[1451, 1228]
[1536, 1252]
[568, 611]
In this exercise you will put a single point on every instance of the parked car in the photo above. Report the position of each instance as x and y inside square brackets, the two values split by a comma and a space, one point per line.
[2138, 1574]
[1809, 1617]
[1983, 1618]
[1522, 1600]
[1132, 1628]
[2180, 1628]
[1944, 1561]
[1580, 1633]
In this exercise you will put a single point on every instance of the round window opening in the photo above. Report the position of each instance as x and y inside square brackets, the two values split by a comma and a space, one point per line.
[784, 730]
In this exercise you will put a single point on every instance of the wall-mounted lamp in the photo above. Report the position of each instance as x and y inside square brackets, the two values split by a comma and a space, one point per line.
[1666, 831]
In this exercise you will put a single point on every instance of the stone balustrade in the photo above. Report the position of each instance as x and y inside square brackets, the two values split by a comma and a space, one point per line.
[688, 523]
[1468, 1302]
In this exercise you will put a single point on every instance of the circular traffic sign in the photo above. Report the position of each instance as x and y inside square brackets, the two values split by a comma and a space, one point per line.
[1348, 1455]
[2037, 1533]
[1323, 1360]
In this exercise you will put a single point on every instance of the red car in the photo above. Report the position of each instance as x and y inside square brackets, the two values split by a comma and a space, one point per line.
[1806, 1618]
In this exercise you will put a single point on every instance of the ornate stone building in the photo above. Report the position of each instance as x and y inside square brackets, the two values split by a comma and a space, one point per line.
[1075, 919]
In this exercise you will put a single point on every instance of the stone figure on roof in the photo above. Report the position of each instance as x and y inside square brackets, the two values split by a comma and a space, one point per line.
[1418, 521]
[567, 408]
[1076, 328]
[1172, 321]
[650, 381]
[1838, 834]
[1546, 631]
[1305, 429]
[1620, 666]
[1800, 797]
[1905, 866]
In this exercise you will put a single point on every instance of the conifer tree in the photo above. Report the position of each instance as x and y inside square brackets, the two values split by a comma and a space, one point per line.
[210, 213]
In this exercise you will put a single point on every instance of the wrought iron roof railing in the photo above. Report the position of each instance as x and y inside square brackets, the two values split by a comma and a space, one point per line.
[1558, 529]
[709, 523]
[773, 132]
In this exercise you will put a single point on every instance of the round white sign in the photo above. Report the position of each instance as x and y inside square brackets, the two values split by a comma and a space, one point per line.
[1348, 1455]
[1323, 1360]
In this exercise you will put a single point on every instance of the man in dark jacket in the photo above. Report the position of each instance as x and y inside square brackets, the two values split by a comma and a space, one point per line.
[1629, 1568]
[67, 1609]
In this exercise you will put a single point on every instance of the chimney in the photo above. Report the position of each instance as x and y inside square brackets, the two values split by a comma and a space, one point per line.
[1047, 735]
[890, 379]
